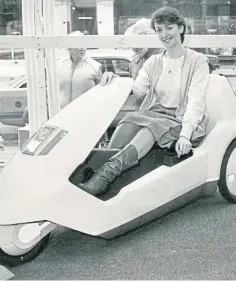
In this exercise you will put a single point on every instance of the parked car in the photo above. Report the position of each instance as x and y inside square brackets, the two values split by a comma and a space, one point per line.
[115, 60]
[112, 60]
[13, 101]
[214, 62]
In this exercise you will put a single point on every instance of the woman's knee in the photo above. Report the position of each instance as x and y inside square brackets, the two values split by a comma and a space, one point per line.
[123, 134]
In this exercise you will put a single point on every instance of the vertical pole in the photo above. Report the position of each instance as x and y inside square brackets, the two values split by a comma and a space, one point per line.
[50, 59]
[40, 66]
[34, 62]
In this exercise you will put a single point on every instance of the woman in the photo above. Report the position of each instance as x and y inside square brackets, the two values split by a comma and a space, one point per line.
[141, 27]
[77, 73]
[173, 111]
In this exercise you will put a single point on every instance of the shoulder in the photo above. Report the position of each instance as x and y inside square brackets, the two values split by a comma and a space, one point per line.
[63, 61]
[96, 66]
[196, 57]
[63, 66]
[151, 62]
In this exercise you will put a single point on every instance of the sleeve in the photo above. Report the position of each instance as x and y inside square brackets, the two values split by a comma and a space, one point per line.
[142, 83]
[64, 80]
[196, 100]
[64, 100]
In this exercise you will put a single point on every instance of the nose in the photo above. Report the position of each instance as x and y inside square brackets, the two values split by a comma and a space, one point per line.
[164, 33]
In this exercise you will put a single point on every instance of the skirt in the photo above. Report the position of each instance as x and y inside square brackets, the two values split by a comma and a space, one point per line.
[162, 123]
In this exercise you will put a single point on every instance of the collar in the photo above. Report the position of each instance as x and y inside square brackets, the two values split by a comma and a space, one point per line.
[185, 52]
[77, 62]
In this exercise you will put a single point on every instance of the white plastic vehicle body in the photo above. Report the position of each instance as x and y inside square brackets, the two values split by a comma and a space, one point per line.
[37, 188]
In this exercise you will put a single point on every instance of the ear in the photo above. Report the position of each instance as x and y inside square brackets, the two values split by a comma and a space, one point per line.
[181, 29]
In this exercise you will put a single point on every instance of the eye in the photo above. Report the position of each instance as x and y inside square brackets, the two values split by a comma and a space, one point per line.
[158, 30]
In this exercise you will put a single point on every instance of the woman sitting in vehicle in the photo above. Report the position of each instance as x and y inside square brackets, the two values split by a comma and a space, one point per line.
[173, 111]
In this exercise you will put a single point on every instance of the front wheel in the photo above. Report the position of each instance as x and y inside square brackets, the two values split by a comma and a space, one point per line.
[20, 244]
[227, 181]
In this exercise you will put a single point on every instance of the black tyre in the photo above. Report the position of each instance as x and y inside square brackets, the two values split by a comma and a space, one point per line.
[227, 181]
[11, 261]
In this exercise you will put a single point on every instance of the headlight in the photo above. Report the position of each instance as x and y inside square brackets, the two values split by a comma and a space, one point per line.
[43, 140]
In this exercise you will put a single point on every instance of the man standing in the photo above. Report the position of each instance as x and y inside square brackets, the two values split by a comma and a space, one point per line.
[77, 73]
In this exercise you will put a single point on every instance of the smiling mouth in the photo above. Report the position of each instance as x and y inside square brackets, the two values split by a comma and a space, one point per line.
[167, 40]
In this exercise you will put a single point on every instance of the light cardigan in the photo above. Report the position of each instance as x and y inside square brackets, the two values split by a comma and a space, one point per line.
[195, 74]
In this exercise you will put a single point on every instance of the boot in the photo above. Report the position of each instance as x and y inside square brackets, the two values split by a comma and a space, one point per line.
[125, 159]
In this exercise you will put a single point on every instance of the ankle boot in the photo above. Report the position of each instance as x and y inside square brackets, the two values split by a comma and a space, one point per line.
[125, 159]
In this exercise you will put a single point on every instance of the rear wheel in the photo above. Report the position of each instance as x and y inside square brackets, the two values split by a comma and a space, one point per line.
[227, 182]
[21, 244]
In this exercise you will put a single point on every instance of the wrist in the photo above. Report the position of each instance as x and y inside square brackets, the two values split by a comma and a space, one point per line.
[182, 136]
[187, 130]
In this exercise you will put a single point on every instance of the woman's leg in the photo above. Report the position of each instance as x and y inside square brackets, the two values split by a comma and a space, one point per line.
[125, 159]
[143, 142]
[123, 134]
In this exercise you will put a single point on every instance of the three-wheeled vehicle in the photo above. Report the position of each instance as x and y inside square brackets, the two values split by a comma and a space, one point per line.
[39, 185]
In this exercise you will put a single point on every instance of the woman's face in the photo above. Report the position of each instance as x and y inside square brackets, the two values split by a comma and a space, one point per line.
[77, 54]
[169, 34]
[139, 51]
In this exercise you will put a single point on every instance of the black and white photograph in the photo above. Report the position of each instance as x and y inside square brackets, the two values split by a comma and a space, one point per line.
[117, 139]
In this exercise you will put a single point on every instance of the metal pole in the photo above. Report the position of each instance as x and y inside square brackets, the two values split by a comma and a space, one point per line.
[36, 92]
[50, 59]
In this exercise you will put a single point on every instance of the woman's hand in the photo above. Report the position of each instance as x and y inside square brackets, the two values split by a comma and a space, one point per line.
[107, 78]
[183, 146]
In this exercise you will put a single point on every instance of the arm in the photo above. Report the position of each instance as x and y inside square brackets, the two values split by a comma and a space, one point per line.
[142, 83]
[196, 100]
[64, 95]
[64, 77]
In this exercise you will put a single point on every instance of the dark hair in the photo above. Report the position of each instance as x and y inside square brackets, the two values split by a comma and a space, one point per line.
[169, 15]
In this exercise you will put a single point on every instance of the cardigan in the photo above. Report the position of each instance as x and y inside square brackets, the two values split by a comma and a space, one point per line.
[195, 74]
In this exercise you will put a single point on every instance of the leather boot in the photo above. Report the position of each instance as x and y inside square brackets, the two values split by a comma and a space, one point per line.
[123, 160]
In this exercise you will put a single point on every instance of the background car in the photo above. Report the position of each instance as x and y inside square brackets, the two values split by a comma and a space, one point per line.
[13, 102]
[13, 94]
[115, 60]
[214, 63]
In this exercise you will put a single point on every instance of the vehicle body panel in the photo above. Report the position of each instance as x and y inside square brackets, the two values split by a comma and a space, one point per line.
[77, 118]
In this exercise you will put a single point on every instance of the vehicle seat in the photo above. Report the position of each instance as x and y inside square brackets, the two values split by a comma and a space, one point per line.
[220, 101]
[110, 66]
